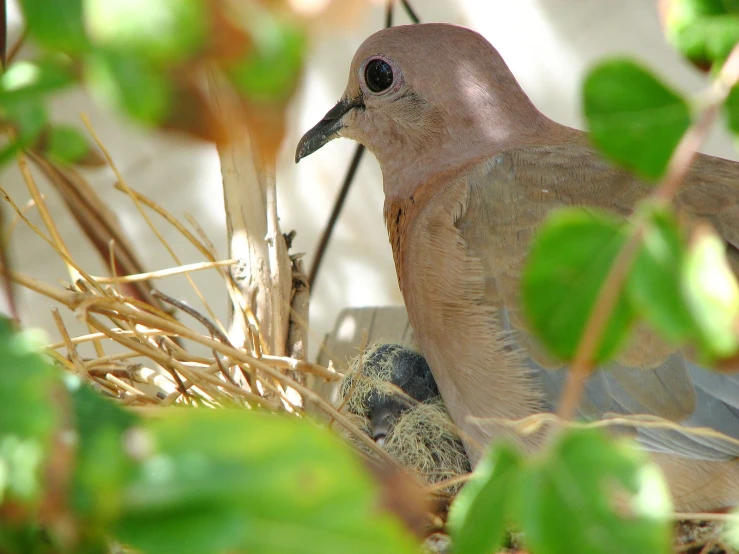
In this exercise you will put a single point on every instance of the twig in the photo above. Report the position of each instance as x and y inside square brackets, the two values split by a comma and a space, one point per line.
[338, 206]
[705, 516]
[677, 169]
[13, 52]
[531, 424]
[215, 331]
[22, 217]
[199, 266]
[43, 211]
[150, 223]
[72, 353]
[410, 11]
[447, 483]
[279, 266]
[4, 34]
[297, 334]
[7, 286]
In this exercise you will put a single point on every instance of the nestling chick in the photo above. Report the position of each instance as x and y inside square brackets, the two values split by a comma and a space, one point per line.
[393, 396]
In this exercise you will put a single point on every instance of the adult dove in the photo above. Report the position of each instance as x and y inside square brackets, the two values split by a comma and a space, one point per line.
[470, 169]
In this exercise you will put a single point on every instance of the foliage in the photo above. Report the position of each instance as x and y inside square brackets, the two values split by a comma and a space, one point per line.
[147, 60]
[189, 480]
[586, 490]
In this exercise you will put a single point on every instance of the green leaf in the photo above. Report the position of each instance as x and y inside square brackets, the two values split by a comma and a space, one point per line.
[103, 466]
[27, 120]
[272, 68]
[593, 495]
[130, 84]
[635, 119]
[730, 535]
[28, 415]
[567, 265]
[477, 516]
[56, 26]
[66, 144]
[29, 539]
[731, 110]
[655, 286]
[163, 31]
[253, 482]
[704, 31]
[25, 80]
[712, 295]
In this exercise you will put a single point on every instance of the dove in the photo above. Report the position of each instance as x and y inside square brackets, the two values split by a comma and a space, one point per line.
[470, 169]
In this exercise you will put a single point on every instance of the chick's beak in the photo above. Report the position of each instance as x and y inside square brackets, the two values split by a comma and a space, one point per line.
[327, 129]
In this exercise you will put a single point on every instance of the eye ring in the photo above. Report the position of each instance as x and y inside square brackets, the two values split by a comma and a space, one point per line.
[379, 75]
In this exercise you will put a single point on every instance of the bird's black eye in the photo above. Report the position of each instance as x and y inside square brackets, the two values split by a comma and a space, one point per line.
[379, 75]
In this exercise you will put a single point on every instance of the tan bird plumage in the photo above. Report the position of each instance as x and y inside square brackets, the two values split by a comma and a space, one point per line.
[470, 169]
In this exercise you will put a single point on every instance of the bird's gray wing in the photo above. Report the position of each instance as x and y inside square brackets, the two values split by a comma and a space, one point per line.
[509, 197]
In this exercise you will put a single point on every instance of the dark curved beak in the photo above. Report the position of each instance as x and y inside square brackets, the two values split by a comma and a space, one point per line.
[327, 129]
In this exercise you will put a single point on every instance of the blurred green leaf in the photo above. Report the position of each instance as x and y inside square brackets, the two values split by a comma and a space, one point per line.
[28, 415]
[220, 480]
[130, 84]
[57, 25]
[25, 80]
[634, 118]
[730, 536]
[27, 120]
[272, 68]
[567, 265]
[28, 539]
[655, 284]
[731, 110]
[593, 495]
[66, 144]
[704, 31]
[103, 465]
[163, 31]
[478, 515]
[712, 294]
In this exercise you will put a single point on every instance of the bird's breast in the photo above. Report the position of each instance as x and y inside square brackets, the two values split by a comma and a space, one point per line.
[480, 373]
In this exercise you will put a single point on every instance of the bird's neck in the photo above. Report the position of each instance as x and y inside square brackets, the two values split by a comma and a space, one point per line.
[462, 143]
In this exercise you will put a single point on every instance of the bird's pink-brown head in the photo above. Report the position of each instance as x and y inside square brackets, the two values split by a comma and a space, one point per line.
[427, 98]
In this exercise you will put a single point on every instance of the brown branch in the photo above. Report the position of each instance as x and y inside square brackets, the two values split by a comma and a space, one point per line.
[13, 52]
[4, 33]
[214, 331]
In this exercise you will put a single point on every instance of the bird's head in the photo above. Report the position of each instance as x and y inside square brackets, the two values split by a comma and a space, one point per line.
[424, 93]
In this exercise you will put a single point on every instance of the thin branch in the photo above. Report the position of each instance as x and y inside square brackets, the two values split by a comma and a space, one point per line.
[335, 212]
[214, 331]
[410, 11]
[144, 215]
[4, 33]
[13, 52]
[677, 169]
[163, 272]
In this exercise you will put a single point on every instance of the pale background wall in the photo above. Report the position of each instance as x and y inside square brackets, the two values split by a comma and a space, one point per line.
[549, 44]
